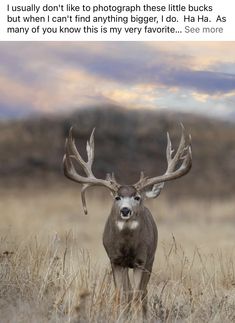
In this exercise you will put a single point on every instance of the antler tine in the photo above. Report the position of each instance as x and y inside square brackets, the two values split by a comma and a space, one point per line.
[181, 145]
[172, 161]
[141, 181]
[83, 197]
[90, 148]
[183, 154]
[141, 175]
[68, 166]
[89, 180]
[71, 144]
[169, 150]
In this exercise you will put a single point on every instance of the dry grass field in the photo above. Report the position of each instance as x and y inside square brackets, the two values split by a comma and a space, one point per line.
[54, 269]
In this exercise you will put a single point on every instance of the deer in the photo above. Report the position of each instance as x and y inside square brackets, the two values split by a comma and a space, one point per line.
[130, 235]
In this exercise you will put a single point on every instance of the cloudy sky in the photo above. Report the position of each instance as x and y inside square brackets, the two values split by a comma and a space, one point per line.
[54, 77]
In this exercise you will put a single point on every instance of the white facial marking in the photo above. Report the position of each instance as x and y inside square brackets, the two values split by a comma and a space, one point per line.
[126, 202]
[129, 202]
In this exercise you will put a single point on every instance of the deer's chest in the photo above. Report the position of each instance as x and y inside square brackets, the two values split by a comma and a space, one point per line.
[127, 256]
[122, 243]
[127, 250]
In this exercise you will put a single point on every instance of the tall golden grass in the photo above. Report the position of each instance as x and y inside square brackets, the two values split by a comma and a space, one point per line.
[53, 267]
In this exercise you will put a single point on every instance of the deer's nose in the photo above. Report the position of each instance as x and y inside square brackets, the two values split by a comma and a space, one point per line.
[125, 211]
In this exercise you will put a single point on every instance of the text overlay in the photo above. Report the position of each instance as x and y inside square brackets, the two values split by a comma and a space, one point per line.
[117, 20]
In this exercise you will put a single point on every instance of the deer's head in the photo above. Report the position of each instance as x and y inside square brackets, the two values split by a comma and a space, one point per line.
[127, 198]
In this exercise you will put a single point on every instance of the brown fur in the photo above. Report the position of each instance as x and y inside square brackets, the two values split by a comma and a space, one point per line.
[128, 248]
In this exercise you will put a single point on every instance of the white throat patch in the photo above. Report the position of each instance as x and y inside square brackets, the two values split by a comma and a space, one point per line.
[131, 225]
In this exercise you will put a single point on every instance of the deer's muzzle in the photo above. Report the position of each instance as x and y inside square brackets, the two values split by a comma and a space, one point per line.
[125, 212]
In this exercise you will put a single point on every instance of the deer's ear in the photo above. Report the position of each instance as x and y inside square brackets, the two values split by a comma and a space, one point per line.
[155, 191]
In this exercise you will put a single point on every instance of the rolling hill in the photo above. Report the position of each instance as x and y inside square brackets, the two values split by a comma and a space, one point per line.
[126, 142]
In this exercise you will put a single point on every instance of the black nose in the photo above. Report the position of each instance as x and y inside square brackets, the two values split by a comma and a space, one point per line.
[125, 211]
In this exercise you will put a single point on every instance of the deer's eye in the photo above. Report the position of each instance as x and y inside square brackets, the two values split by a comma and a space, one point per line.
[137, 198]
[117, 198]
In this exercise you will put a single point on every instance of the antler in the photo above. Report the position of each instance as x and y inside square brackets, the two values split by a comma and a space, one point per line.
[177, 165]
[89, 180]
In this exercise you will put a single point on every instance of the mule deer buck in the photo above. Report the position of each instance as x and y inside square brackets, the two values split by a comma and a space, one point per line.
[130, 234]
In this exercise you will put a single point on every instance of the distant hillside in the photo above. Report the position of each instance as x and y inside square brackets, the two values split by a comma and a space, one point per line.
[126, 143]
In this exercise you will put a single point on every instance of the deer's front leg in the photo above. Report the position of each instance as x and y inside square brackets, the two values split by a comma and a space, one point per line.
[137, 279]
[140, 282]
[118, 276]
[121, 281]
